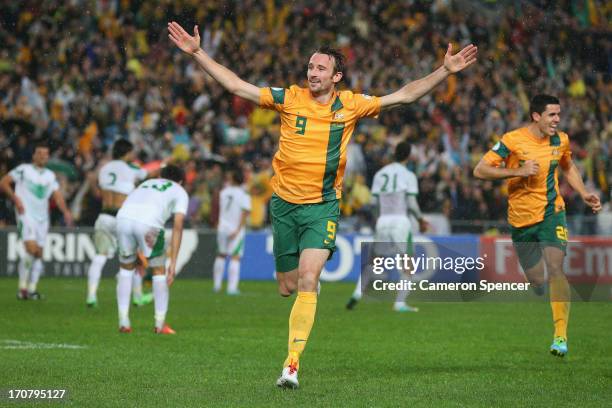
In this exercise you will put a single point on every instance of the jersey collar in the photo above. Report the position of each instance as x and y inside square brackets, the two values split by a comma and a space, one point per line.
[337, 105]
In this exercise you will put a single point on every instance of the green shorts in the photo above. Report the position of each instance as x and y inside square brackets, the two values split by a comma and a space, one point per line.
[296, 227]
[529, 241]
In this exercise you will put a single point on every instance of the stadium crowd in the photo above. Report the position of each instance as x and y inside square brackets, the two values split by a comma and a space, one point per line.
[85, 73]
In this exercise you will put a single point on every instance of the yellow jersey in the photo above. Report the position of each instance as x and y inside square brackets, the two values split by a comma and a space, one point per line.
[311, 157]
[530, 199]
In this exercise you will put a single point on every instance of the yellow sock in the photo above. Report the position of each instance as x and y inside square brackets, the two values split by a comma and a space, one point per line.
[560, 304]
[300, 322]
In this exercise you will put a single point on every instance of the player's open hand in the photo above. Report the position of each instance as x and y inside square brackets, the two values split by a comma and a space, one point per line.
[171, 273]
[592, 200]
[461, 60]
[19, 205]
[529, 168]
[68, 219]
[423, 225]
[182, 39]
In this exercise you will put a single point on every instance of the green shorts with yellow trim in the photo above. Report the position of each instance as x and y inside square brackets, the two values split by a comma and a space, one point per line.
[296, 227]
[528, 241]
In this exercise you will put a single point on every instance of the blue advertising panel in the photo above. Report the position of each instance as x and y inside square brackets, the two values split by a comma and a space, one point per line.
[258, 262]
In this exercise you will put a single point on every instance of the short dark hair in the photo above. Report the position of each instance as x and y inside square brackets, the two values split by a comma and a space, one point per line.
[121, 148]
[339, 58]
[41, 144]
[174, 173]
[538, 104]
[236, 174]
[402, 151]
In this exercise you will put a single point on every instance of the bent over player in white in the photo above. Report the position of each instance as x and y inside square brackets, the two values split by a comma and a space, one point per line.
[116, 179]
[396, 189]
[140, 227]
[34, 185]
[235, 205]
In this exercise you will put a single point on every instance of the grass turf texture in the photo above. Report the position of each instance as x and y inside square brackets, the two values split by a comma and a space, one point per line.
[229, 351]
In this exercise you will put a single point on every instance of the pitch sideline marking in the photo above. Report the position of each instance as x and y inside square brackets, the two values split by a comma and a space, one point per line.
[18, 344]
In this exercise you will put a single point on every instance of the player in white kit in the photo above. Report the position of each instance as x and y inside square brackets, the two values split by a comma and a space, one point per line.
[140, 227]
[234, 208]
[396, 189]
[34, 185]
[116, 179]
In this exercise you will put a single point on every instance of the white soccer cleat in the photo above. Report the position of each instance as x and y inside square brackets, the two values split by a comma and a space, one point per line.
[405, 308]
[288, 378]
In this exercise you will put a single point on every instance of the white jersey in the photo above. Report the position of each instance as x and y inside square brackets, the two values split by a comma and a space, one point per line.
[34, 186]
[232, 201]
[154, 201]
[391, 185]
[120, 177]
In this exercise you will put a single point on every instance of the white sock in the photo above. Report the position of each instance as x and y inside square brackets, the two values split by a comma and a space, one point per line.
[160, 295]
[233, 276]
[137, 286]
[357, 291]
[124, 288]
[24, 267]
[400, 300]
[37, 268]
[93, 276]
[218, 273]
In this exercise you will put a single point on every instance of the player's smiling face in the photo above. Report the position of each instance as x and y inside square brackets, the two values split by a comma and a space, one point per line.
[549, 119]
[321, 76]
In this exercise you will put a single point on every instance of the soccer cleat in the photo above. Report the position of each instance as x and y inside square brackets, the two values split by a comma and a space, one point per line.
[91, 303]
[559, 347]
[125, 329]
[405, 308]
[288, 378]
[164, 330]
[351, 303]
[22, 294]
[233, 292]
[145, 299]
[35, 296]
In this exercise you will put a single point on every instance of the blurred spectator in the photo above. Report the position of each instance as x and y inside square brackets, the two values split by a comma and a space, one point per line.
[84, 74]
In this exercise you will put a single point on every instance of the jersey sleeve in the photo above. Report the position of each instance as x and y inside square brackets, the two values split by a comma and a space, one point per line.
[412, 183]
[274, 98]
[141, 174]
[499, 152]
[366, 105]
[182, 202]
[17, 173]
[246, 202]
[376, 184]
[566, 153]
[54, 186]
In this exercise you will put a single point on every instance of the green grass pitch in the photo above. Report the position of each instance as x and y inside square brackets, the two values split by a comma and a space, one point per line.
[228, 351]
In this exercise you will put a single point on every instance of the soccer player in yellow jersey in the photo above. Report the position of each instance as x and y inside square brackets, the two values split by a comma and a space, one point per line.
[316, 125]
[536, 212]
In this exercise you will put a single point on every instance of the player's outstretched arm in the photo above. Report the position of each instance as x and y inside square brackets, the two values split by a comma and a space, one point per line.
[485, 171]
[229, 80]
[575, 180]
[175, 245]
[415, 89]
